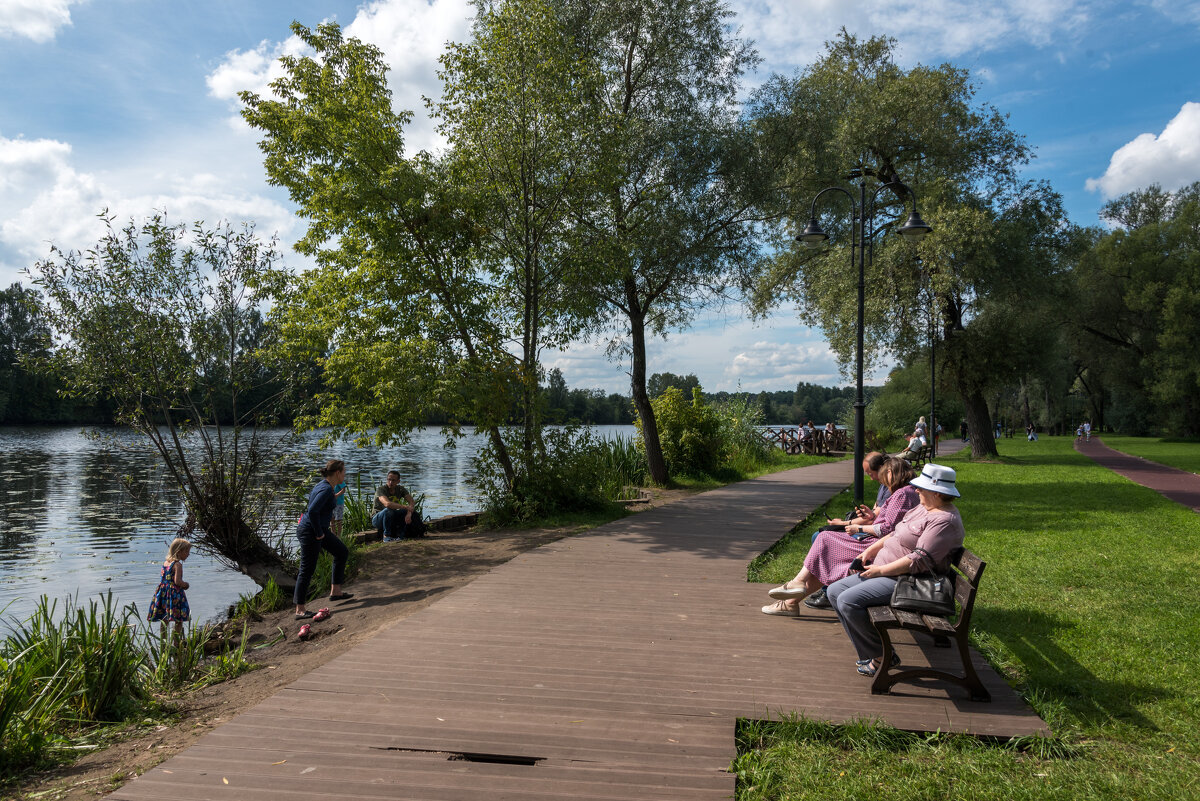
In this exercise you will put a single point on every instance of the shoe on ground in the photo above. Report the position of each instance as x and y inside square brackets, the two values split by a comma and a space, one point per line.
[818, 600]
[781, 610]
[782, 593]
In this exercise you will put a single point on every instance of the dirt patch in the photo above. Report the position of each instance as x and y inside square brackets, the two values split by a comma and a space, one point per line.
[396, 579]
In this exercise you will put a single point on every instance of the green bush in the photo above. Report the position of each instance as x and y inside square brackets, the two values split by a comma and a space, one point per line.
[689, 432]
[745, 448]
[572, 471]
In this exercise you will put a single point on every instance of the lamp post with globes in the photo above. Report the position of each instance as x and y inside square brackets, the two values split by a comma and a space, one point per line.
[863, 219]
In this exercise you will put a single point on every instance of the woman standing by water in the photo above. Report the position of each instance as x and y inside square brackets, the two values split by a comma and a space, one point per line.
[314, 533]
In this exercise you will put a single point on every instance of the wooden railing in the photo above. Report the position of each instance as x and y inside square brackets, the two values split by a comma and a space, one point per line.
[819, 442]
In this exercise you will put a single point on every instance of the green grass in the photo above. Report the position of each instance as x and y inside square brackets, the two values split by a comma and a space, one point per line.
[1183, 454]
[779, 461]
[67, 681]
[1087, 607]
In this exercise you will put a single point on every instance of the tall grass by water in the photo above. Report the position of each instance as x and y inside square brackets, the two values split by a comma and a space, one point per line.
[1087, 608]
[63, 677]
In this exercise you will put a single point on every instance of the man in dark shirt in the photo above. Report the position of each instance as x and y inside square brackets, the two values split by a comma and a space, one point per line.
[394, 508]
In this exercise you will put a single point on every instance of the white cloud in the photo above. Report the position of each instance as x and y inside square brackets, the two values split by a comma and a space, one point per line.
[788, 32]
[1172, 158]
[38, 20]
[47, 199]
[411, 34]
[1177, 11]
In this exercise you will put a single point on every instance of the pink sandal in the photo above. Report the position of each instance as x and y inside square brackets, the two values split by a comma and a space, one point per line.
[304, 632]
[322, 614]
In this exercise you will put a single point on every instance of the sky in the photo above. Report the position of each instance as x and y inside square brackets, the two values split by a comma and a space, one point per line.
[131, 106]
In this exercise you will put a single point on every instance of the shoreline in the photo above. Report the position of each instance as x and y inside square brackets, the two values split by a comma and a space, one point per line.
[395, 580]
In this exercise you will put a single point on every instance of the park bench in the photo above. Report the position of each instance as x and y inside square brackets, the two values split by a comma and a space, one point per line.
[967, 570]
[919, 459]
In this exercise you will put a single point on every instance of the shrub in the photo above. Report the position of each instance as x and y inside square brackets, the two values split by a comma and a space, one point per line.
[573, 471]
[689, 432]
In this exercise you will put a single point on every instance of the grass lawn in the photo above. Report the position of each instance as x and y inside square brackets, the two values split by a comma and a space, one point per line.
[1088, 607]
[1183, 454]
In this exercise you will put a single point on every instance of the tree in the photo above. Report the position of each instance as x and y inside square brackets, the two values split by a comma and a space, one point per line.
[526, 145]
[1137, 312]
[400, 313]
[675, 213]
[660, 382]
[854, 112]
[155, 318]
[24, 334]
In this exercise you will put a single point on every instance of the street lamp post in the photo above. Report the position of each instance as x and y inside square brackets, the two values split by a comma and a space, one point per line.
[862, 219]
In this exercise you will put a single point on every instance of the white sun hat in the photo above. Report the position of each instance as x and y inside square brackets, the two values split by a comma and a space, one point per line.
[936, 478]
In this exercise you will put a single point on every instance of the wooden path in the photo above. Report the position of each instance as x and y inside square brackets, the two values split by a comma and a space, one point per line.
[612, 665]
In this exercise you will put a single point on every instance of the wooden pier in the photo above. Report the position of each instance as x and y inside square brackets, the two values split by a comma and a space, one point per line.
[611, 665]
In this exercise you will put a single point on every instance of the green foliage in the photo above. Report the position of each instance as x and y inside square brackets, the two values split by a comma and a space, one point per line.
[401, 312]
[99, 646]
[60, 677]
[574, 472]
[1137, 314]
[1105, 674]
[690, 432]
[744, 448]
[163, 320]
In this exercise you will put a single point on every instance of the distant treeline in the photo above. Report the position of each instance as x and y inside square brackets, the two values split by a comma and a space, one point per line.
[32, 398]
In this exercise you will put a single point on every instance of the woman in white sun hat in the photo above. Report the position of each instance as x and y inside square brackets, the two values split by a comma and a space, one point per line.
[922, 541]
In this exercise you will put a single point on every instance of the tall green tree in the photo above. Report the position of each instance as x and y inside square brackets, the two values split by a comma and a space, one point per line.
[1137, 312]
[527, 146]
[855, 113]
[155, 318]
[675, 216]
[401, 312]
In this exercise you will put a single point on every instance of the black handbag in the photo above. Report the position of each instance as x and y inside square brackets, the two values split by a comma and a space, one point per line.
[927, 593]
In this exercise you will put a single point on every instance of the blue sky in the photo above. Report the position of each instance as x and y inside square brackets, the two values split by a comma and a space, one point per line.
[131, 105]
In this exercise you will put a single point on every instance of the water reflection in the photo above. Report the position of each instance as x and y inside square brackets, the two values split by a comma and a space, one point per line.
[68, 525]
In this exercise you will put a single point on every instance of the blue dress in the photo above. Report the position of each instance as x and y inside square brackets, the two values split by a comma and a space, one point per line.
[169, 604]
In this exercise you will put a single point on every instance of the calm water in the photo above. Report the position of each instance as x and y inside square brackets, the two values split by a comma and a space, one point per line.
[68, 527]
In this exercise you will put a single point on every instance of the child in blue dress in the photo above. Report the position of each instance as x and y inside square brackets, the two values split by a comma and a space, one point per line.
[170, 604]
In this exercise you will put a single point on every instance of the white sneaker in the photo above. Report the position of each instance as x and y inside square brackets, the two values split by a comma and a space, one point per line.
[783, 593]
[780, 609]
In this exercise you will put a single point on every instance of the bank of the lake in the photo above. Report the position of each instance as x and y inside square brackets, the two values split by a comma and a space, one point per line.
[68, 527]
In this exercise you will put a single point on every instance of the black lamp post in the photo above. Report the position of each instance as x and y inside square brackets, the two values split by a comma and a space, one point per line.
[932, 367]
[862, 221]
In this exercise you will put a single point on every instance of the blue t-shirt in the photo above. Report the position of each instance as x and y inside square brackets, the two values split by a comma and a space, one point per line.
[339, 500]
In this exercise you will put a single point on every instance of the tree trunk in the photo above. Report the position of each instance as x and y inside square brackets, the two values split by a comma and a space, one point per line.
[641, 398]
[979, 423]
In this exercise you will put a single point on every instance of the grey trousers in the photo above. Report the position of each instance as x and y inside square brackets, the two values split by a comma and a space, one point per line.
[851, 597]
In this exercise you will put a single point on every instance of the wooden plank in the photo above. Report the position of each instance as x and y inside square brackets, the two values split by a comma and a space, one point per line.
[615, 664]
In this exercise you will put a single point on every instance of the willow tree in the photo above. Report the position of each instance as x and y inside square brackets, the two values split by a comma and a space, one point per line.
[159, 321]
[675, 216]
[401, 311]
[529, 148]
[855, 112]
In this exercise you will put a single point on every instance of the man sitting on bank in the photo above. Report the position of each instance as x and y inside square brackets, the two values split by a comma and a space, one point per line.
[391, 516]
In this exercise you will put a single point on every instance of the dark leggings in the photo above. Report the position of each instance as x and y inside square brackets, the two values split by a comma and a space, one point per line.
[310, 549]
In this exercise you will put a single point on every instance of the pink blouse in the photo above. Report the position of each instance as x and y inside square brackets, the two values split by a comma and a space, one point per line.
[938, 532]
[894, 508]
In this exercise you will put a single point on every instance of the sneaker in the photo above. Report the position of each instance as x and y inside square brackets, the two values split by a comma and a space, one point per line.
[780, 609]
[784, 592]
[818, 600]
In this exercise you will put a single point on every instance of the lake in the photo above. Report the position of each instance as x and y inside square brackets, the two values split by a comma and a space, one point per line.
[68, 526]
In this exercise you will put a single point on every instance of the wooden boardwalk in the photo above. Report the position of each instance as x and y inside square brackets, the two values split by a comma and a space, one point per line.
[612, 665]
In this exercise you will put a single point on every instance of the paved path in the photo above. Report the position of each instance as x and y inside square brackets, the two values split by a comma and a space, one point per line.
[610, 665]
[1178, 485]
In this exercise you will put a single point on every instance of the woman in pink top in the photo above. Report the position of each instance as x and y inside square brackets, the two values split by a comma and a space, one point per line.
[832, 552]
[924, 540]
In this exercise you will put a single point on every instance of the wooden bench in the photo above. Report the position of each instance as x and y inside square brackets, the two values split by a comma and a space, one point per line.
[967, 570]
[920, 458]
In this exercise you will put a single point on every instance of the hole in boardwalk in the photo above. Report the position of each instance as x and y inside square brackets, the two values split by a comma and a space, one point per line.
[473, 756]
[497, 759]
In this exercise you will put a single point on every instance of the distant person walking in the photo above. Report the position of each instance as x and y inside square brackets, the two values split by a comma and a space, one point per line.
[1087, 430]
